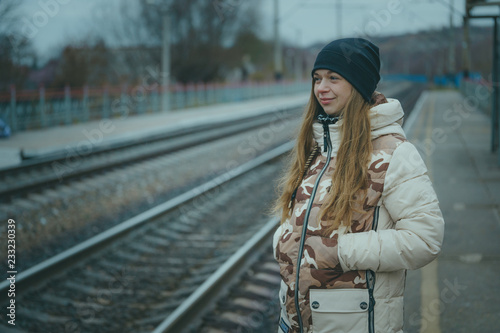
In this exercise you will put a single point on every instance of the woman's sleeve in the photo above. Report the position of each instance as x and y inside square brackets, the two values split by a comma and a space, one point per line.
[412, 204]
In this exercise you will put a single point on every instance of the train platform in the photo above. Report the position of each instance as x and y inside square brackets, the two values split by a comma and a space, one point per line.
[459, 291]
[72, 138]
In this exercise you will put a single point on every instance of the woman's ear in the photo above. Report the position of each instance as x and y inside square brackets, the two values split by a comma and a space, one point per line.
[377, 98]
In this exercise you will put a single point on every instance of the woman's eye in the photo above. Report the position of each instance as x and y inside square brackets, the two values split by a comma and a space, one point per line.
[317, 79]
[333, 78]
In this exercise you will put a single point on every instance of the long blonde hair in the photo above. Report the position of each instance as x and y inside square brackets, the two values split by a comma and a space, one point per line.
[350, 178]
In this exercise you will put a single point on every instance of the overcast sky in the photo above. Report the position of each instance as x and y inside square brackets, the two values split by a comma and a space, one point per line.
[301, 21]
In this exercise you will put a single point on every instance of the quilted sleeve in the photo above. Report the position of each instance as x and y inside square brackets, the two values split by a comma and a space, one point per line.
[412, 204]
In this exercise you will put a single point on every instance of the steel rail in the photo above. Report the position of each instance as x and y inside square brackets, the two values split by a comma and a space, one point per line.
[205, 294]
[189, 138]
[48, 268]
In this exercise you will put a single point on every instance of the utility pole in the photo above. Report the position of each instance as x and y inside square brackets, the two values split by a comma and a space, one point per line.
[298, 57]
[466, 44]
[165, 62]
[278, 64]
[339, 18]
[451, 55]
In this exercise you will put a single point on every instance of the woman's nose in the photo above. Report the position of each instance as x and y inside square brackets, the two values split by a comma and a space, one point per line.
[322, 86]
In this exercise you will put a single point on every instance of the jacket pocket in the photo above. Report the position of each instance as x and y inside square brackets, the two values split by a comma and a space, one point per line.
[284, 323]
[339, 310]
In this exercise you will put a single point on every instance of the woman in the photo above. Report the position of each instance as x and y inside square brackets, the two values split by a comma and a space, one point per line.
[357, 206]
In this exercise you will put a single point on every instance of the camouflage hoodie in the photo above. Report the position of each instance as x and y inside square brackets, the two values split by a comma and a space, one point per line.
[332, 293]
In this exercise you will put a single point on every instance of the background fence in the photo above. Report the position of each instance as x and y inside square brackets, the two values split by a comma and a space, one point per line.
[42, 108]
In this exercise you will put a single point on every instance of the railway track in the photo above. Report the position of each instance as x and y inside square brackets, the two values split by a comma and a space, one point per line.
[250, 303]
[174, 261]
[36, 174]
[130, 278]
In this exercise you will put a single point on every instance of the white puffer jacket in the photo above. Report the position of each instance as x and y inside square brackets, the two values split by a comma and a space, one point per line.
[410, 226]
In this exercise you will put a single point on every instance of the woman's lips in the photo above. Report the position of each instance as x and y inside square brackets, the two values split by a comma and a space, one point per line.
[325, 101]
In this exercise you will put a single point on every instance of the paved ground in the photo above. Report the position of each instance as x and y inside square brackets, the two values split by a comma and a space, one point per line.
[459, 291]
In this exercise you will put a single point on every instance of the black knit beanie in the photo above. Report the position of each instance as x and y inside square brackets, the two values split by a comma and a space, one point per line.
[355, 59]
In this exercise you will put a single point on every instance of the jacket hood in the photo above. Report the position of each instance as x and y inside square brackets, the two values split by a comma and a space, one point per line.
[385, 118]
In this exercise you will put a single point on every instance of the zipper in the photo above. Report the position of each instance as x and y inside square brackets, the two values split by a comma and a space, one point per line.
[370, 275]
[375, 218]
[370, 281]
[328, 149]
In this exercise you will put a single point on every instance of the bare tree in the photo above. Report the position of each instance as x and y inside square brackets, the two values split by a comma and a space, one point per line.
[201, 33]
[15, 49]
[204, 34]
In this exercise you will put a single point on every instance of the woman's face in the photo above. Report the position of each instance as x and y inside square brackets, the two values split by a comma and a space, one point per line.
[331, 90]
